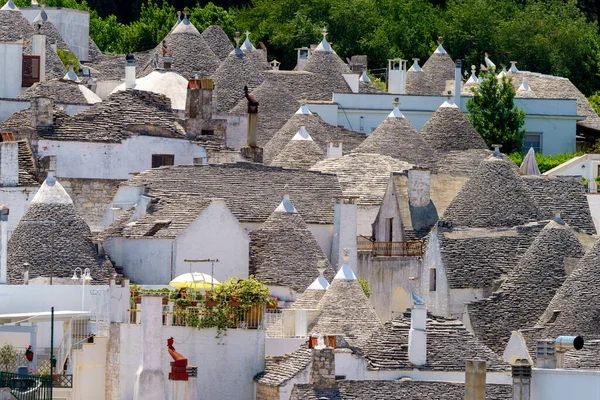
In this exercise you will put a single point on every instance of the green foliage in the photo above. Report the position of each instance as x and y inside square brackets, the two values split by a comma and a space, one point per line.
[545, 163]
[365, 287]
[154, 24]
[8, 357]
[493, 114]
[594, 100]
[248, 291]
[68, 59]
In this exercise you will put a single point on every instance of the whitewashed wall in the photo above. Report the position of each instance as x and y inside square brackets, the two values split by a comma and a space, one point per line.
[17, 200]
[560, 384]
[145, 261]
[115, 160]
[237, 129]
[10, 70]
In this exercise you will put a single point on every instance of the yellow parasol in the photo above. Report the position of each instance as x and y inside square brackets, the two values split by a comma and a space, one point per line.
[194, 280]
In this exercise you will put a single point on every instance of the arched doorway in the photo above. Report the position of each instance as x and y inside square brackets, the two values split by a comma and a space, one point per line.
[400, 301]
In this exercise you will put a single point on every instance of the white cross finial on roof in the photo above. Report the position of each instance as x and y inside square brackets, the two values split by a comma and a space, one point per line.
[247, 33]
[324, 32]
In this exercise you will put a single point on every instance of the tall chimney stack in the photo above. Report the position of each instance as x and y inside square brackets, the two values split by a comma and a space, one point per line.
[129, 71]
[457, 82]
[521, 376]
[396, 82]
[206, 98]
[251, 151]
[9, 164]
[417, 335]
[475, 380]
[419, 187]
[334, 149]
[192, 100]
[42, 112]
[4, 211]
[344, 232]
[322, 373]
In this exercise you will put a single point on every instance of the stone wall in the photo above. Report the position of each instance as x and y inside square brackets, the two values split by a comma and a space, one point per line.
[112, 363]
[266, 392]
[322, 374]
[91, 198]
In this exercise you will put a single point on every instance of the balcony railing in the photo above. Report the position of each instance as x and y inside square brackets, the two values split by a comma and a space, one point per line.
[364, 244]
[398, 249]
[27, 387]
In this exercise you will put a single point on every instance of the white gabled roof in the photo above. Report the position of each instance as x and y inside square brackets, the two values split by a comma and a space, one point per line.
[10, 6]
[303, 110]
[51, 192]
[302, 134]
[319, 284]
[345, 273]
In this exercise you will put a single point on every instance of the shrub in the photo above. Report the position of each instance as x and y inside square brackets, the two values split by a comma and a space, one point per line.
[545, 163]
[8, 357]
[365, 287]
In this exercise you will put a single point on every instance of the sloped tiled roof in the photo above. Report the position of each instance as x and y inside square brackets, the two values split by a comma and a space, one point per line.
[287, 368]
[299, 154]
[329, 68]
[31, 241]
[218, 41]
[494, 197]
[346, 311]
[449, 129]
[189, 52]
[235, 72]
[449, 346]
[462, 162]
[528, 289]
[276, 106]
[420, 83]
[27, 167]
[439, 68]
[61, 91]
[320, 131]
[564, 194]
[474, 258]
[363, 175]
[251, 191]
[283, 252]
[306, 85]
[309, 299]
[396, 137]
[398, 389]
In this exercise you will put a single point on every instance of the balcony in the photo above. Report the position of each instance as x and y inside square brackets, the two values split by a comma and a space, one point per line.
[391, 249]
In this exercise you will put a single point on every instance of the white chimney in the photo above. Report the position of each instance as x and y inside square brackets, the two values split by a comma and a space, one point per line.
[344, 232]
[149, 378]
[303, 56]
[419, 187]
[521, 375]
[417, 335]
[352, 81]
[9, 164]
[129, 71]
[457, 82]
[3, 242]
[475, 380]
[396, 76]
[38, 48]
[11, 69]
[334, 148]
[42, 112]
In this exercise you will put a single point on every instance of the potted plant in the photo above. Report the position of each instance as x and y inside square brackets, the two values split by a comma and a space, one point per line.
[252, 294]
[210, 299]
[134, 290]
[8, 357]
[29, 354]
[272, 303]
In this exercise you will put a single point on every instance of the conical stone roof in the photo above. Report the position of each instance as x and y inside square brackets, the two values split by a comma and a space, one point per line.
[49, 29]
[529, 288]
[449, 129]
[189, 52]
[313, 294]
[494, 197]
[276, 106]
[13, 25]
[300, 153]
[235, 72]
[440, 68]
[396, 137]
[52, 215]
[283, 251]
[218, 41]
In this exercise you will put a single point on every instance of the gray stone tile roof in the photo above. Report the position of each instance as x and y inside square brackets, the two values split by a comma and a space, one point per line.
[218, 41]
[308, 300]
[526, 292]
[462, 162]
[299, 154]
[235, 72]
[439, 68]
[59, 90]
[319, 130]
[363, 175]
[475, 258]
[73, 246]
[494, 197]
[329, 68]
[287, 368]
[396, 137]
[574, 309]
[121, 115]
[421, 83]
[283, 252]
[276, 106]
[449, 129]
[565, 194]
[52, 34]
[346, 311]
[251, 191]
[449, 346]
[308, 85]
[402, 389]
[27, 166]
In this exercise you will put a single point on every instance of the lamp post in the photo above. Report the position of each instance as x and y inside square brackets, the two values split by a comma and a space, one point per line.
[84, 275]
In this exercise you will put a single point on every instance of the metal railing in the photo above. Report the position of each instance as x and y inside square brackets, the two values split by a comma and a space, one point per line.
[27, 387]
[62, 381]
[398, 249]
[364, 244]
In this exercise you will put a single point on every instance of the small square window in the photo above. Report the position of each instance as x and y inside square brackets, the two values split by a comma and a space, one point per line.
[207, 132]
[532, 140]
[432, 279]
[159, 160]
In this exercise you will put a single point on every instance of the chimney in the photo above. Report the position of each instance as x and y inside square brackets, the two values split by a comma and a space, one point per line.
[475, 380]
[497, 148]
[322, 372]
[344, 232]
[38, 48]
[521, 376]
[9, 164]
[353, 81]
[149, 378]
[334, 148]
[251, 151]
[396, 82]
[192, 99]
[167, 60]
[419, 187]
[3, 242]
[129, 71]
[417, 335]
[275, 65]
[545, 354]
[303, 56]
[42, 112]
[206, 98]
[457, 82]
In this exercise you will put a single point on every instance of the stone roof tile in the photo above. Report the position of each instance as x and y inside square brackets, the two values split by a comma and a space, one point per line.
[218, 41]
[449, 129]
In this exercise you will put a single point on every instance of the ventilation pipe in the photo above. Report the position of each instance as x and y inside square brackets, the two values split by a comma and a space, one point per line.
[562, 344]
[129, 71]
[457, 82]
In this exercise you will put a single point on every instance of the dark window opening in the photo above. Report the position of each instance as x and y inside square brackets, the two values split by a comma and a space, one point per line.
[158, 225]
[159, 160]
[555, 314]
[432, 280]
[207, 132]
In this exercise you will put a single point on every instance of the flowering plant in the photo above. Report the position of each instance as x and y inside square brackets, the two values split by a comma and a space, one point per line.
[210, 296]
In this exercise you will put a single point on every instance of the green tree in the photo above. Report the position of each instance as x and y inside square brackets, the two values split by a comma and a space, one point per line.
[493, 114]
[8, 357]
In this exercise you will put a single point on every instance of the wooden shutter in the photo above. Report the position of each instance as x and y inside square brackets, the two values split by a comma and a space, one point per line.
[31, 70]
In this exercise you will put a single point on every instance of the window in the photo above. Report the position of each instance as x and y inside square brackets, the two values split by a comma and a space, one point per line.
[389, 230]
[553, 317]
[532, 140]
[303, 54]
[207, 132]
[432, 279]
[159, 160]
